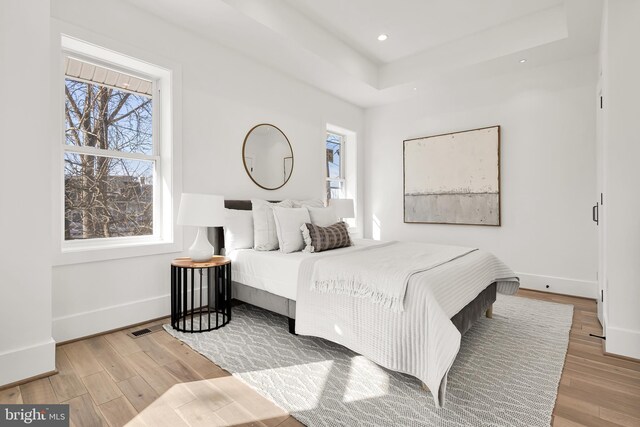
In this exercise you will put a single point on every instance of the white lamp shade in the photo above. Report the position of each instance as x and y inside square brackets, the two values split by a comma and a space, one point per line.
[343, 207]
[202, 210]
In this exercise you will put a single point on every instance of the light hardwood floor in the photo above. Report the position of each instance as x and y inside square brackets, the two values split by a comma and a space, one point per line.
[155, 380]
[595, 390]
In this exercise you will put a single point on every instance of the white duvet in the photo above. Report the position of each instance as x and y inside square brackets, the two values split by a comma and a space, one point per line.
[421, 340]
[381, 272]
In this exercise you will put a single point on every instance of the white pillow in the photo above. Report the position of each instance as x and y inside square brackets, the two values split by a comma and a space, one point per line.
[238, 230]
[316, 203]
[265, 237]
[288, 223]
[323, 217]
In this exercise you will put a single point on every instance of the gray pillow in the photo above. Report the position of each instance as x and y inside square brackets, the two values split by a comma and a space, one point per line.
[318, 239]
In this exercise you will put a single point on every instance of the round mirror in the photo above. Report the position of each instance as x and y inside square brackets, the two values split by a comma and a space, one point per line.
[267, 156]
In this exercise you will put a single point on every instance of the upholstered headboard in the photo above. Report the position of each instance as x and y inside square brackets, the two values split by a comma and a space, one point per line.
[216, 234]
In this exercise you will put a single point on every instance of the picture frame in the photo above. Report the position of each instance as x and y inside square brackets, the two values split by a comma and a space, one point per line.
[453, 178]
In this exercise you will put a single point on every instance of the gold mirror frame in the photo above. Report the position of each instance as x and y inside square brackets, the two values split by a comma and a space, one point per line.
[244, 158]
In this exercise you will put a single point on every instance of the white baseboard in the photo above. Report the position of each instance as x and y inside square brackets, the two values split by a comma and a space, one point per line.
[79, 325]
[27, 362]
[105, 319]
[623, 342]
[559, 285]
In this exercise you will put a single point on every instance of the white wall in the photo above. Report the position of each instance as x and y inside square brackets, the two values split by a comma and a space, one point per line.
[224, 94]
[548, 172]
[26, 346]
[621, 138]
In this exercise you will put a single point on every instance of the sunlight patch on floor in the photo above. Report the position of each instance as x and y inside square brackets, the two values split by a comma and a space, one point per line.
[221, 401]
[303, 389]
[366, 380]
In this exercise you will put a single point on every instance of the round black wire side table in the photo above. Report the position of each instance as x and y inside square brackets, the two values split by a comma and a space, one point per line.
[200, 294]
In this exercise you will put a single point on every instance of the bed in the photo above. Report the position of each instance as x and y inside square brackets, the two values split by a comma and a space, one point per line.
[273, 281]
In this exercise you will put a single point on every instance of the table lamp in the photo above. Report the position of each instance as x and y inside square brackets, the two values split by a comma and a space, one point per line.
[344, 207]
[202, 211]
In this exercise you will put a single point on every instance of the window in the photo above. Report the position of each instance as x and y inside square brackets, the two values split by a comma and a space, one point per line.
[335, 166]
[115, 180]
[341, 169]
[110, 157]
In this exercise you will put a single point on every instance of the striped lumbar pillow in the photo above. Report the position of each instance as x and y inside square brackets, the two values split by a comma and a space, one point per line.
[318, 239]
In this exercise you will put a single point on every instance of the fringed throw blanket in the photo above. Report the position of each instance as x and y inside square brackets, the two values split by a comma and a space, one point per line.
[381, 272]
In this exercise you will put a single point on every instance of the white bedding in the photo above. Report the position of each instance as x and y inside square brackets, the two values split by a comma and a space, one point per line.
[274, 271]
[420, 341]
[381, 272]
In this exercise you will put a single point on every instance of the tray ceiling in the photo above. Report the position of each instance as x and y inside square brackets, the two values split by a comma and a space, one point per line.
[332, 44]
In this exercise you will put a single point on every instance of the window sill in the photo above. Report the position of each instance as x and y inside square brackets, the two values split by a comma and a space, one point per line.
[97, 253]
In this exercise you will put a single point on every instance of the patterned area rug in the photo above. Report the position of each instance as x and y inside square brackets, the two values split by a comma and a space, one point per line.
[506, 374]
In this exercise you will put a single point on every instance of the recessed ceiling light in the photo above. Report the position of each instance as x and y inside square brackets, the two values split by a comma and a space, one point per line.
[415, 88]
[382, 37]
[522, 61]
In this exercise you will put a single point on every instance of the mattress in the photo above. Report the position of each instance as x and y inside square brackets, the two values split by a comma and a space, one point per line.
[277, 272]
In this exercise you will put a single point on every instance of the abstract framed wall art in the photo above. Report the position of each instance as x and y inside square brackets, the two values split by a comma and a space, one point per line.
[453, 178]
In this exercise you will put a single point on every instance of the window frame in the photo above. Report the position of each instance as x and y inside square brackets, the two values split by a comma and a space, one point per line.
[350, 172]
[166, 92]
[155, 157]
[342, 179]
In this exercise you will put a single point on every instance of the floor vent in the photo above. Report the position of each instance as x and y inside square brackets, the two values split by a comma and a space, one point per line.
[144, 331]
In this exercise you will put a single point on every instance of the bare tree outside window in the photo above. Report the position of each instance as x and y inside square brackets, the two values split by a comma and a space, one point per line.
[109, 160]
